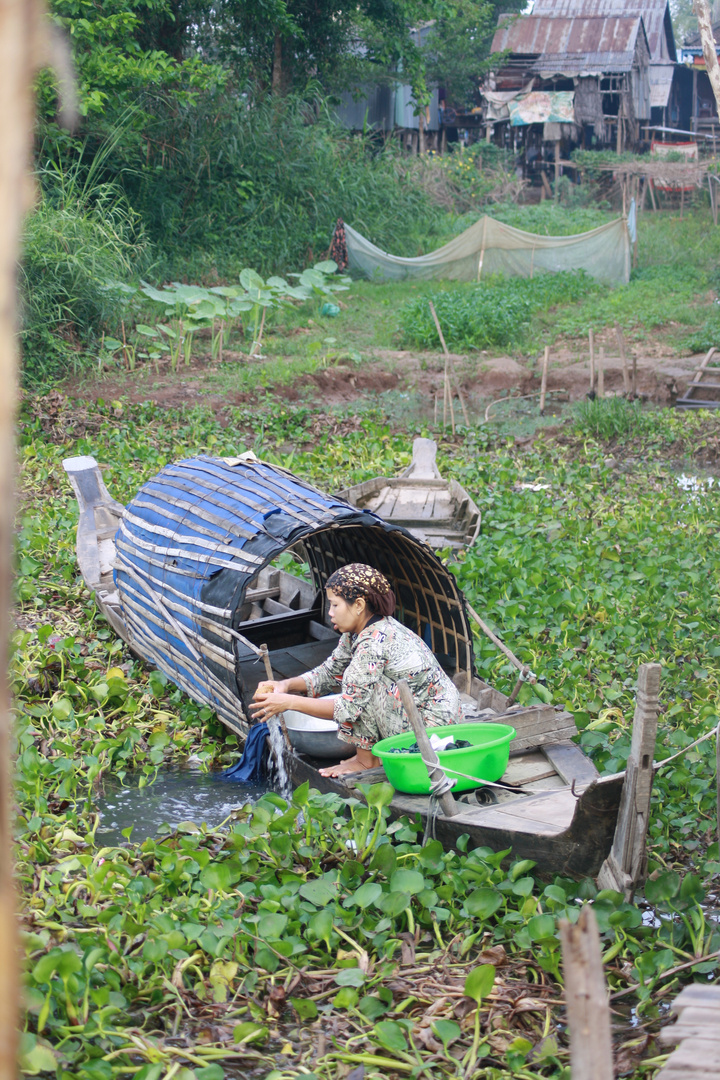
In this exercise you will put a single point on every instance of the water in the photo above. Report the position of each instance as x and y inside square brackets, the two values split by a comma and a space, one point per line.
[697, 485]
[174, 797]
[276, 761]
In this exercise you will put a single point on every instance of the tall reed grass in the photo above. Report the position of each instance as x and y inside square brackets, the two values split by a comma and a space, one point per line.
[81, 245]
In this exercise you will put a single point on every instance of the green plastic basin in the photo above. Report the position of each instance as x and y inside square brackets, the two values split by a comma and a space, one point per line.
[486, 759]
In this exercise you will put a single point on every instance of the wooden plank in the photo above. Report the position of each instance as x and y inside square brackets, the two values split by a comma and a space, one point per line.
[586, 1000]
[553, 810]
[570, 763]
[698, 1057]
[626, 865]
[692, 1015]
[675, 1033]
[687, 403]
[428, 509]
[500, 818]
[275, 607]
[527, 769]
[310, 654]
[698, 995]
[321, 632]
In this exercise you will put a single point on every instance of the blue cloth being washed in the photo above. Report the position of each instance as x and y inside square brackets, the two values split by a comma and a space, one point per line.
[252, 766]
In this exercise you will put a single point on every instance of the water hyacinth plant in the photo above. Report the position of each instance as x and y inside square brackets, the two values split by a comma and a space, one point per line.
[307, 935]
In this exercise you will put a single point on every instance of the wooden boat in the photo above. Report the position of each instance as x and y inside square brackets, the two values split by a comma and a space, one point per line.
[184, 574]
[438, 512]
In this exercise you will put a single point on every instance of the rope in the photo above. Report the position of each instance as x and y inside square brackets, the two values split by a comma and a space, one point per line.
[708, 735]
[485, 783]
[441, 786]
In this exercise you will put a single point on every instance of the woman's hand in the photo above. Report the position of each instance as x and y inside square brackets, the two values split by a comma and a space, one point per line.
[270, 704]
[271, 686]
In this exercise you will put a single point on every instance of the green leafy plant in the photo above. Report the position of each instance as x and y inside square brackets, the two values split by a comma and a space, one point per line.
[494, 313]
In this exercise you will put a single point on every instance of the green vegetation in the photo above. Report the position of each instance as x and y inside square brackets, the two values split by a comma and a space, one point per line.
[217, 950]
[496, 313]
[82, 244]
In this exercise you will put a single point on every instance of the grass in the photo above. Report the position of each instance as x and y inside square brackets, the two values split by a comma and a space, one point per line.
[80, 245]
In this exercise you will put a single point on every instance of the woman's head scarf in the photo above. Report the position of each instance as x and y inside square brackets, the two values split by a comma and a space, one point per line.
[359, 579]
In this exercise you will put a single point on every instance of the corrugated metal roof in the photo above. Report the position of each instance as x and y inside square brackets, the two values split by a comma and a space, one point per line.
[655, 15]
[661, 77]
[571, 44]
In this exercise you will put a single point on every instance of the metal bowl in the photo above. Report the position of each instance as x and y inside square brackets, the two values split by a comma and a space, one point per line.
[315, 737]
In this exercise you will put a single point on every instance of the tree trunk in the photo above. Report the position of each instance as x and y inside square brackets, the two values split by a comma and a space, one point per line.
[277, 65]
[702, 10]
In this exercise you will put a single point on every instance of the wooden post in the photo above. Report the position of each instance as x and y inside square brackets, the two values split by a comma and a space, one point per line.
[546, 184]
[651, 185]
[543, 384]
[601, 373]
[702, 10]
[452, 366]
[623, 357]
[557, 166]
[435, 772]
[626, 865]
[591, 339]
[586, 999]
[24, 46]
[634, 377]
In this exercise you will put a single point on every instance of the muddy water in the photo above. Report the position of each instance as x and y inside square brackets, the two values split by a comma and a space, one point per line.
[174, 797]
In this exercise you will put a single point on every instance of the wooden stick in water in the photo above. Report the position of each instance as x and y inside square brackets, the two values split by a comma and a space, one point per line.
[543, 384]
[435, 770]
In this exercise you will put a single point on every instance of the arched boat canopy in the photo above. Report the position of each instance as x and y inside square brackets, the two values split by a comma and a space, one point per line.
[197, 535]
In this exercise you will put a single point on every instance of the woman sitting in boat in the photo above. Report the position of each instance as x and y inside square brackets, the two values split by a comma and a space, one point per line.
[360, 677]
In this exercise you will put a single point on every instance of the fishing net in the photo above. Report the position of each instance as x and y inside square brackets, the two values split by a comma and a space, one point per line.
[489, 247]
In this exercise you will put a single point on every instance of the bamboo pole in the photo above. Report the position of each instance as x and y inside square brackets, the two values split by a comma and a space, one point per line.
[435, 771]
[449, 365]
[24, 46]
[543, 384]
[623, 356]
[522, 668]
[591, 339]
[601, 373]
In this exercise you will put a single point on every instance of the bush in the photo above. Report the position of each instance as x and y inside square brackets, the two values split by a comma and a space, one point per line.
[494, 313]
[224, 182]
[609, 418]
[79, 244]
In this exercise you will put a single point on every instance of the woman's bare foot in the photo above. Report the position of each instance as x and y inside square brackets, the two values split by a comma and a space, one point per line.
[360, 761]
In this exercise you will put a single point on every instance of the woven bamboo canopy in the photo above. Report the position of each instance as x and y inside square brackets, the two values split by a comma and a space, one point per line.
[197, 535]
